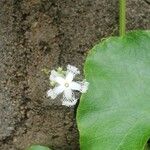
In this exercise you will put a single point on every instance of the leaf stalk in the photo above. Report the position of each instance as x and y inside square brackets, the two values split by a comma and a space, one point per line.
[122, 17]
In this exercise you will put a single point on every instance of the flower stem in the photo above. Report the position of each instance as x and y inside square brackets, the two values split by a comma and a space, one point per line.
[122, 17]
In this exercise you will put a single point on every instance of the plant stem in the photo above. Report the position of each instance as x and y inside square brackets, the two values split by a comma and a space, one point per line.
[122, 17]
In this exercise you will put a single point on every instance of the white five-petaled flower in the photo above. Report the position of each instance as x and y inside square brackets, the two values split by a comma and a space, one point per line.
[64, 84]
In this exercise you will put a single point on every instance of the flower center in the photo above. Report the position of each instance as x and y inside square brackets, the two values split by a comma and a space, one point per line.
[66, 84]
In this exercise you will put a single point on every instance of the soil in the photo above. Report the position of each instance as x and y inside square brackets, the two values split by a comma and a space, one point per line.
[38, 34]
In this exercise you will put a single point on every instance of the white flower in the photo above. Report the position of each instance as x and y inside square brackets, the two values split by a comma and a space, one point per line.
[64, 84]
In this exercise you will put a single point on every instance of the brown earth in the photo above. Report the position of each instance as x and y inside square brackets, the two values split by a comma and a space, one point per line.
[37, 34]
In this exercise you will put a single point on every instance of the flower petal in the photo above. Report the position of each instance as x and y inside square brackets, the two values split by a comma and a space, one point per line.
[69, 103]
[56, 77]
[60, 80]
[53, 93]
[71, 72]
[53, 75]
[75, 86]
[82, 88]
[69, 98]
[68, 95]
[73, 69]
[50, 93]
[69, 77]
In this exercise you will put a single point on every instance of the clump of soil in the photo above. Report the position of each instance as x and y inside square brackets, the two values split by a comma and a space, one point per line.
[38, 34]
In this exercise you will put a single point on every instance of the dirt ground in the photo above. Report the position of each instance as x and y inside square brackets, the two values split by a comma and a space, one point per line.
[38, 34]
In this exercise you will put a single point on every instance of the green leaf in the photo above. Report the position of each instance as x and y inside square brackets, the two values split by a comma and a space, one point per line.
[115, 112]
[38, 147]
[147, 147]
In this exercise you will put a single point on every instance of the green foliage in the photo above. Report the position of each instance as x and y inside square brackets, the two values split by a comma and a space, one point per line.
[115, 112]
[38, 147]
